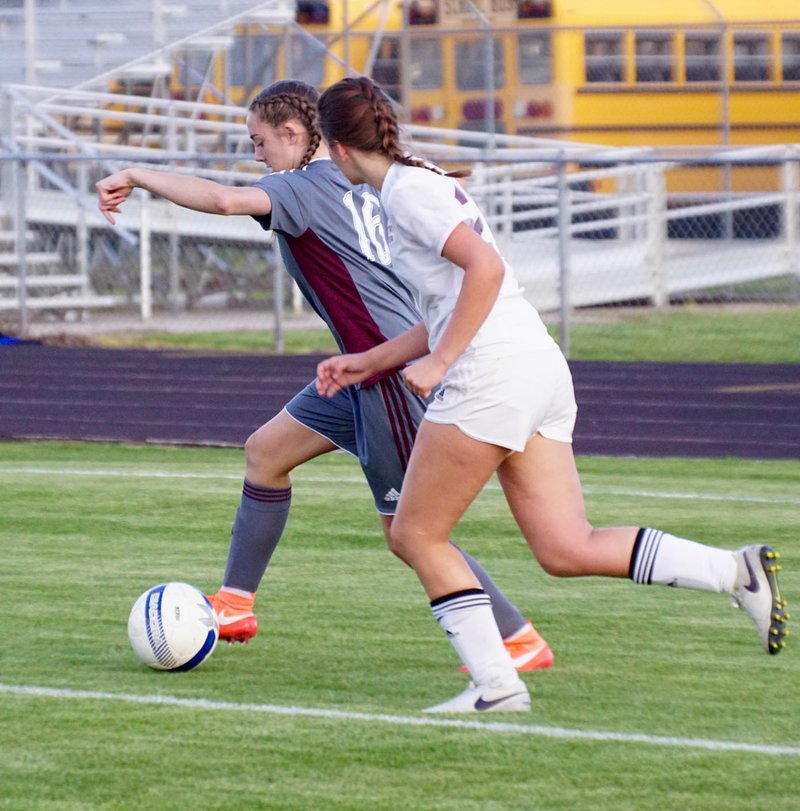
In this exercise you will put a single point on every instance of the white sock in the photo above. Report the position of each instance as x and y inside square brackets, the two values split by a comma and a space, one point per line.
[467, 619]
[662, 559]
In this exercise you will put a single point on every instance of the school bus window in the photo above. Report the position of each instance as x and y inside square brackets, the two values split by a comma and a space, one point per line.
[194, 66]
[423, 12]
[791, 57]
[312, 12]
[425, 69]
[534, 8]
[252, 60]
[605, 56]
[307, 59]
[471, 64]
[386, 68]
[534, 59]
[702, 56]
[655, 60]
[750, 57]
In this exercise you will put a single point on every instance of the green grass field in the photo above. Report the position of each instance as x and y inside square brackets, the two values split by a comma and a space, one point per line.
[658, 699]
[756, 334]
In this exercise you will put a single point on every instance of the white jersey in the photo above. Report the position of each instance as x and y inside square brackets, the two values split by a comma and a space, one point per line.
[511, 381]
[423, 209]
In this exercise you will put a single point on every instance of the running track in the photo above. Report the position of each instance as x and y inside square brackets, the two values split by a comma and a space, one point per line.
[640, 409]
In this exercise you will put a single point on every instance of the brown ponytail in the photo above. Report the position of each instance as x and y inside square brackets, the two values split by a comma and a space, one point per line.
[357, 113]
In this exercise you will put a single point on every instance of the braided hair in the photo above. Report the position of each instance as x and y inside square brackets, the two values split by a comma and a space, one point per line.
[357, 113]
[287, 99]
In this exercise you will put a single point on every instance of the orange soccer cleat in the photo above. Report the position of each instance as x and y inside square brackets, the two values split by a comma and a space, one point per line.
[237, 622]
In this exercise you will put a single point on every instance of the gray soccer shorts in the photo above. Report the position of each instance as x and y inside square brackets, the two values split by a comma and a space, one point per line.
[376, 424]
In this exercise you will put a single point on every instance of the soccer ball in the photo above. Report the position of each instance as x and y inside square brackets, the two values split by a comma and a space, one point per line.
[172, 626]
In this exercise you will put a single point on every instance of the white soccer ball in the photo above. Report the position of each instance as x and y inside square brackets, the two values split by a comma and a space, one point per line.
[172, 626]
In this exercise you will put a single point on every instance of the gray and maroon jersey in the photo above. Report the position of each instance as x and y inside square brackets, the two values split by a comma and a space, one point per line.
[332, 237]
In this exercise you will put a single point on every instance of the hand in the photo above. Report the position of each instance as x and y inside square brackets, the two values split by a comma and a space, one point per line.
[424, 376]
[113, 191]
[340, 371]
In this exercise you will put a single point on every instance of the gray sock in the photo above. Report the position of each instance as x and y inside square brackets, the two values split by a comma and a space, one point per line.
[257, 528]
[508, 617]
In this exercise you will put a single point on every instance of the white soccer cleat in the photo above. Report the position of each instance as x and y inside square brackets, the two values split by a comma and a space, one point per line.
[756, 591]
[488, 698]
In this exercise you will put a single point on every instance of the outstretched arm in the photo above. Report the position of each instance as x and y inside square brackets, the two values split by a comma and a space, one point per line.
[195, 193]
[340, 371]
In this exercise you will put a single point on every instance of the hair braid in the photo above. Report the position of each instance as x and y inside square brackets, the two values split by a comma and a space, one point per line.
[358, 113]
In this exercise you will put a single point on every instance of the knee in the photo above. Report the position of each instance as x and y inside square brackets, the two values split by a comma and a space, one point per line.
[560, 563]
[557, 567]
[398, 542]
[566, 551]
[254, 450]
[262, 461]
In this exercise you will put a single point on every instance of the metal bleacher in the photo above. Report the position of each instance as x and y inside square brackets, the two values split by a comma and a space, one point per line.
[77, 40]
[64, 46]
[596, 220]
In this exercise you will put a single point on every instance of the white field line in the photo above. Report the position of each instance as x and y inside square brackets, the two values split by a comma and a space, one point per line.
[406, 720]
[14, 470]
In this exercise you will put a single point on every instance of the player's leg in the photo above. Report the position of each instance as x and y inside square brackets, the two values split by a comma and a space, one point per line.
[387, 416]
[306, 428]
[446, 471]
[526, 646]
[544, 492]
[272, 452]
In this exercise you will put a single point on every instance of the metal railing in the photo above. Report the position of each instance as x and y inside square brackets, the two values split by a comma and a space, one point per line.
[583, 226]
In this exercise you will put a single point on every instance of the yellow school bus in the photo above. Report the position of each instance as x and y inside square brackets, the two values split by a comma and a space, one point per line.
[683, 72]
[620, 73]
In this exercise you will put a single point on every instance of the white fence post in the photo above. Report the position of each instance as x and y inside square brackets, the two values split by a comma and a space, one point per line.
[145, 260]
[564, 255]
[655, 184]
[20, 240]
[277, 297]
[791, 215]
[82, 230]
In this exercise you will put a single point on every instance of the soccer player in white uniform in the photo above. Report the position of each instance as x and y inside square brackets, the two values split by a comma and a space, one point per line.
[333, 241]
[504, 404]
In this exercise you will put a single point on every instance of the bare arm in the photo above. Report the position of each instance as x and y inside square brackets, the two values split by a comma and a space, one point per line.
[195, 193]
[341, 371]
[483, 275]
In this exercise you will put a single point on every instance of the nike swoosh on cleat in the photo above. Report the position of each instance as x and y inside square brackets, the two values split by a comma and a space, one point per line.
[228, 619]
[752, 586]
[482, 705]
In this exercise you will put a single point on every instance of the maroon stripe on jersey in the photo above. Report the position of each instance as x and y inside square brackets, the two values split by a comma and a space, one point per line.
[400, 419]
[404, 412]
[327, 274]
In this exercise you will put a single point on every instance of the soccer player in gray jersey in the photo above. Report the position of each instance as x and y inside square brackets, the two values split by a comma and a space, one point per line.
[334, 244]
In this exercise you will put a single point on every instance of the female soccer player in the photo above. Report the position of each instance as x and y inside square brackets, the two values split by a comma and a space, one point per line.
[333, 241]
[504, 404]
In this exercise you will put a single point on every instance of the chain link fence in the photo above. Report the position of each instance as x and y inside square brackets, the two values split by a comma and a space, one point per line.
[597, 237]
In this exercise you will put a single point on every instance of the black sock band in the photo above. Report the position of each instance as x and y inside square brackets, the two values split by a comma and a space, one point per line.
[643, 555]
[455, 595]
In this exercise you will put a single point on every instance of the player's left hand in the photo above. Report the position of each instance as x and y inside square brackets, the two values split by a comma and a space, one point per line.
[424, 376]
